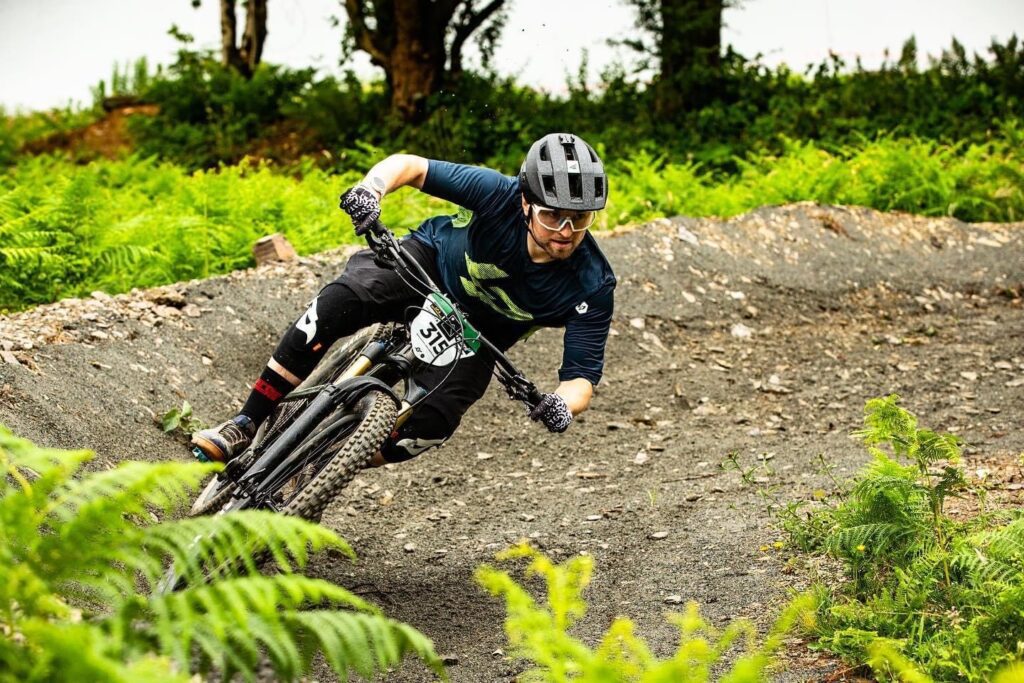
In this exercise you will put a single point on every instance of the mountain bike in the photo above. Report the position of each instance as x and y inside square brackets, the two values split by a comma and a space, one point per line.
[328, 428]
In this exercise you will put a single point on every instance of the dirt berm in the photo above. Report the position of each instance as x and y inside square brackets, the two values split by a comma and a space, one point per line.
[760, 336]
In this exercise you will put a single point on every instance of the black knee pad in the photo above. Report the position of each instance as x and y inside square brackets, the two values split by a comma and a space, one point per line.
[334, 313]
[407, 448]
[426, 429]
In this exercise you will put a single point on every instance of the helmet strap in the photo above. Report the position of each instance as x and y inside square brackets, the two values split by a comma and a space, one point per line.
[528, 221]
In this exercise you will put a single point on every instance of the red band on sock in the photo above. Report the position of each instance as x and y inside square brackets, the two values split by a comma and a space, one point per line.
[267, 390]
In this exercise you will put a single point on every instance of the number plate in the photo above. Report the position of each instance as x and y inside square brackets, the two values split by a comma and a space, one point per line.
[437, 333]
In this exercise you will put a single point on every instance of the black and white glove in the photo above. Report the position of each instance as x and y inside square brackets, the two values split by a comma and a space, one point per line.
[554, 412]
[363, 205]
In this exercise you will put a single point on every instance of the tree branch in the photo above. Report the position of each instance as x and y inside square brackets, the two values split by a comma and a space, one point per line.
[365, 39]
[464, 30]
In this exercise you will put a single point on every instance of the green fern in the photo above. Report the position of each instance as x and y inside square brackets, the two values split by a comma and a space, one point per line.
[539, 632]
[928, 593]
[80, 559]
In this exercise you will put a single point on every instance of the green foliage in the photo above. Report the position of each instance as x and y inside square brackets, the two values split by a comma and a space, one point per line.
[971, 182]
[19, 130]
[925, 590]
[539, 634]
[67, 230]
[131, 80]
[180, 418]
[80, 558]
[208, 113]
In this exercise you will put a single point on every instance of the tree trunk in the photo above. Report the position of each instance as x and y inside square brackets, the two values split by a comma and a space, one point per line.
[690, 47]
[246, 57]
[255, 34]
[407, 39]
[417, 59]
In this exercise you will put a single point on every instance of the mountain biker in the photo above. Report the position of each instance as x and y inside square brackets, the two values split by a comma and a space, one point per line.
[522, 259]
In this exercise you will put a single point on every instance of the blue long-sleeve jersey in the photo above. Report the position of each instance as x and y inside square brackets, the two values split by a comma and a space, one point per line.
[483, 260]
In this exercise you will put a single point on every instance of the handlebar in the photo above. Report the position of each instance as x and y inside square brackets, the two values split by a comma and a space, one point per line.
[388, 249]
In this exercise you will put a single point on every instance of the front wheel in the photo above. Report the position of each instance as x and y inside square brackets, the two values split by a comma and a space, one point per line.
[316, 487]
[342, 446]
[219, 489]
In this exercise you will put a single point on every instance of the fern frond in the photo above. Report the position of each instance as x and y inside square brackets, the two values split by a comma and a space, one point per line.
[211, 546]
[931, 447]
[34, 238]
[356, 641]
[979, 568]
[995, 556]
[129, 488]
[875, 538]
[125, 256]
[82, 652]
[16, 219]
[87, 530]
[623, 651]
[21, 256]
[24, 455]
[565, 582]
[886, 422]
[233, 620]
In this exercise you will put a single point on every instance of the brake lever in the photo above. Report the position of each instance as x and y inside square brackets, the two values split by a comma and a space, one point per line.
[379, 238]
[519, 388]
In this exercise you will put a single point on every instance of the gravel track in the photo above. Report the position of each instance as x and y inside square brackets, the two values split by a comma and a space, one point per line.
[761, 336]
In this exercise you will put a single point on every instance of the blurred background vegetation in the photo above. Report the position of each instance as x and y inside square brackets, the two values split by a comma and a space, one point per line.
[173, 171]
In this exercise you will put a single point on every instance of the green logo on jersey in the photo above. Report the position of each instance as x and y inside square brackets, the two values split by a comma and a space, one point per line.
[495, 297]
[462, 218]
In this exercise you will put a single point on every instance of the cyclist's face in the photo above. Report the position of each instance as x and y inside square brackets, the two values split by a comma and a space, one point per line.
[558, 244]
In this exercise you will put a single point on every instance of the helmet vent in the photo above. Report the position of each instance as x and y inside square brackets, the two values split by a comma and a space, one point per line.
[575, 187]
[570, 153]
[598, 187]
[549, 185]
[544, 156]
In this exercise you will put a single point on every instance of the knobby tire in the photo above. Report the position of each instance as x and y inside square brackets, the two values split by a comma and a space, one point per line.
[217, 491]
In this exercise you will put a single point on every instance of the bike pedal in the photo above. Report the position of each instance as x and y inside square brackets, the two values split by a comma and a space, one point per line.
[198, 454]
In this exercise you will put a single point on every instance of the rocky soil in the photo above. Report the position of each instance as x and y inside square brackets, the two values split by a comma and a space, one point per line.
[758, 338]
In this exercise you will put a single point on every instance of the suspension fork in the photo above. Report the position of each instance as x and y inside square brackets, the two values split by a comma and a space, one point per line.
[376, 352]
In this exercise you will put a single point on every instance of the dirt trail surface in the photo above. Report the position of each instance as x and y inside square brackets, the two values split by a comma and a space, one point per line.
[760, 336]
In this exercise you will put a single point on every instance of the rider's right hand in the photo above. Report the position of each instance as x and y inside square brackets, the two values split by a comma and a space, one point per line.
[363, 205]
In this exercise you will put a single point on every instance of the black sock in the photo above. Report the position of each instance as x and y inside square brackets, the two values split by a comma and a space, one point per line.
[269, 389]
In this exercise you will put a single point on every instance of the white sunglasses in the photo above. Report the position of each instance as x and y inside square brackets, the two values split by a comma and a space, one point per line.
[555, 219]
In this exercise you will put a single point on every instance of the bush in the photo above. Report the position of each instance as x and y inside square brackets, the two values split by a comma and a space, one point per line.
[80, 560]
[923, 589]
[209, 114]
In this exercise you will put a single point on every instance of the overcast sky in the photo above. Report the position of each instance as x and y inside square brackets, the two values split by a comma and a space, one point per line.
[53, 51]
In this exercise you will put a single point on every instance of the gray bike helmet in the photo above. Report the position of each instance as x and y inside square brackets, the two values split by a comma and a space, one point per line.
[562, 171]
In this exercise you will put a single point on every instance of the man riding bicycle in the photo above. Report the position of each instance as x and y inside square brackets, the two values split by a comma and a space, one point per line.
[522, 259]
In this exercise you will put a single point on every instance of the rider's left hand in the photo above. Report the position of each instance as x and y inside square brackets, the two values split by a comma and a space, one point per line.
[554, 412]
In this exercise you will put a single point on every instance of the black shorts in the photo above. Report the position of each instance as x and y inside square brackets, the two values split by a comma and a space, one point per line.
[364, 294]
